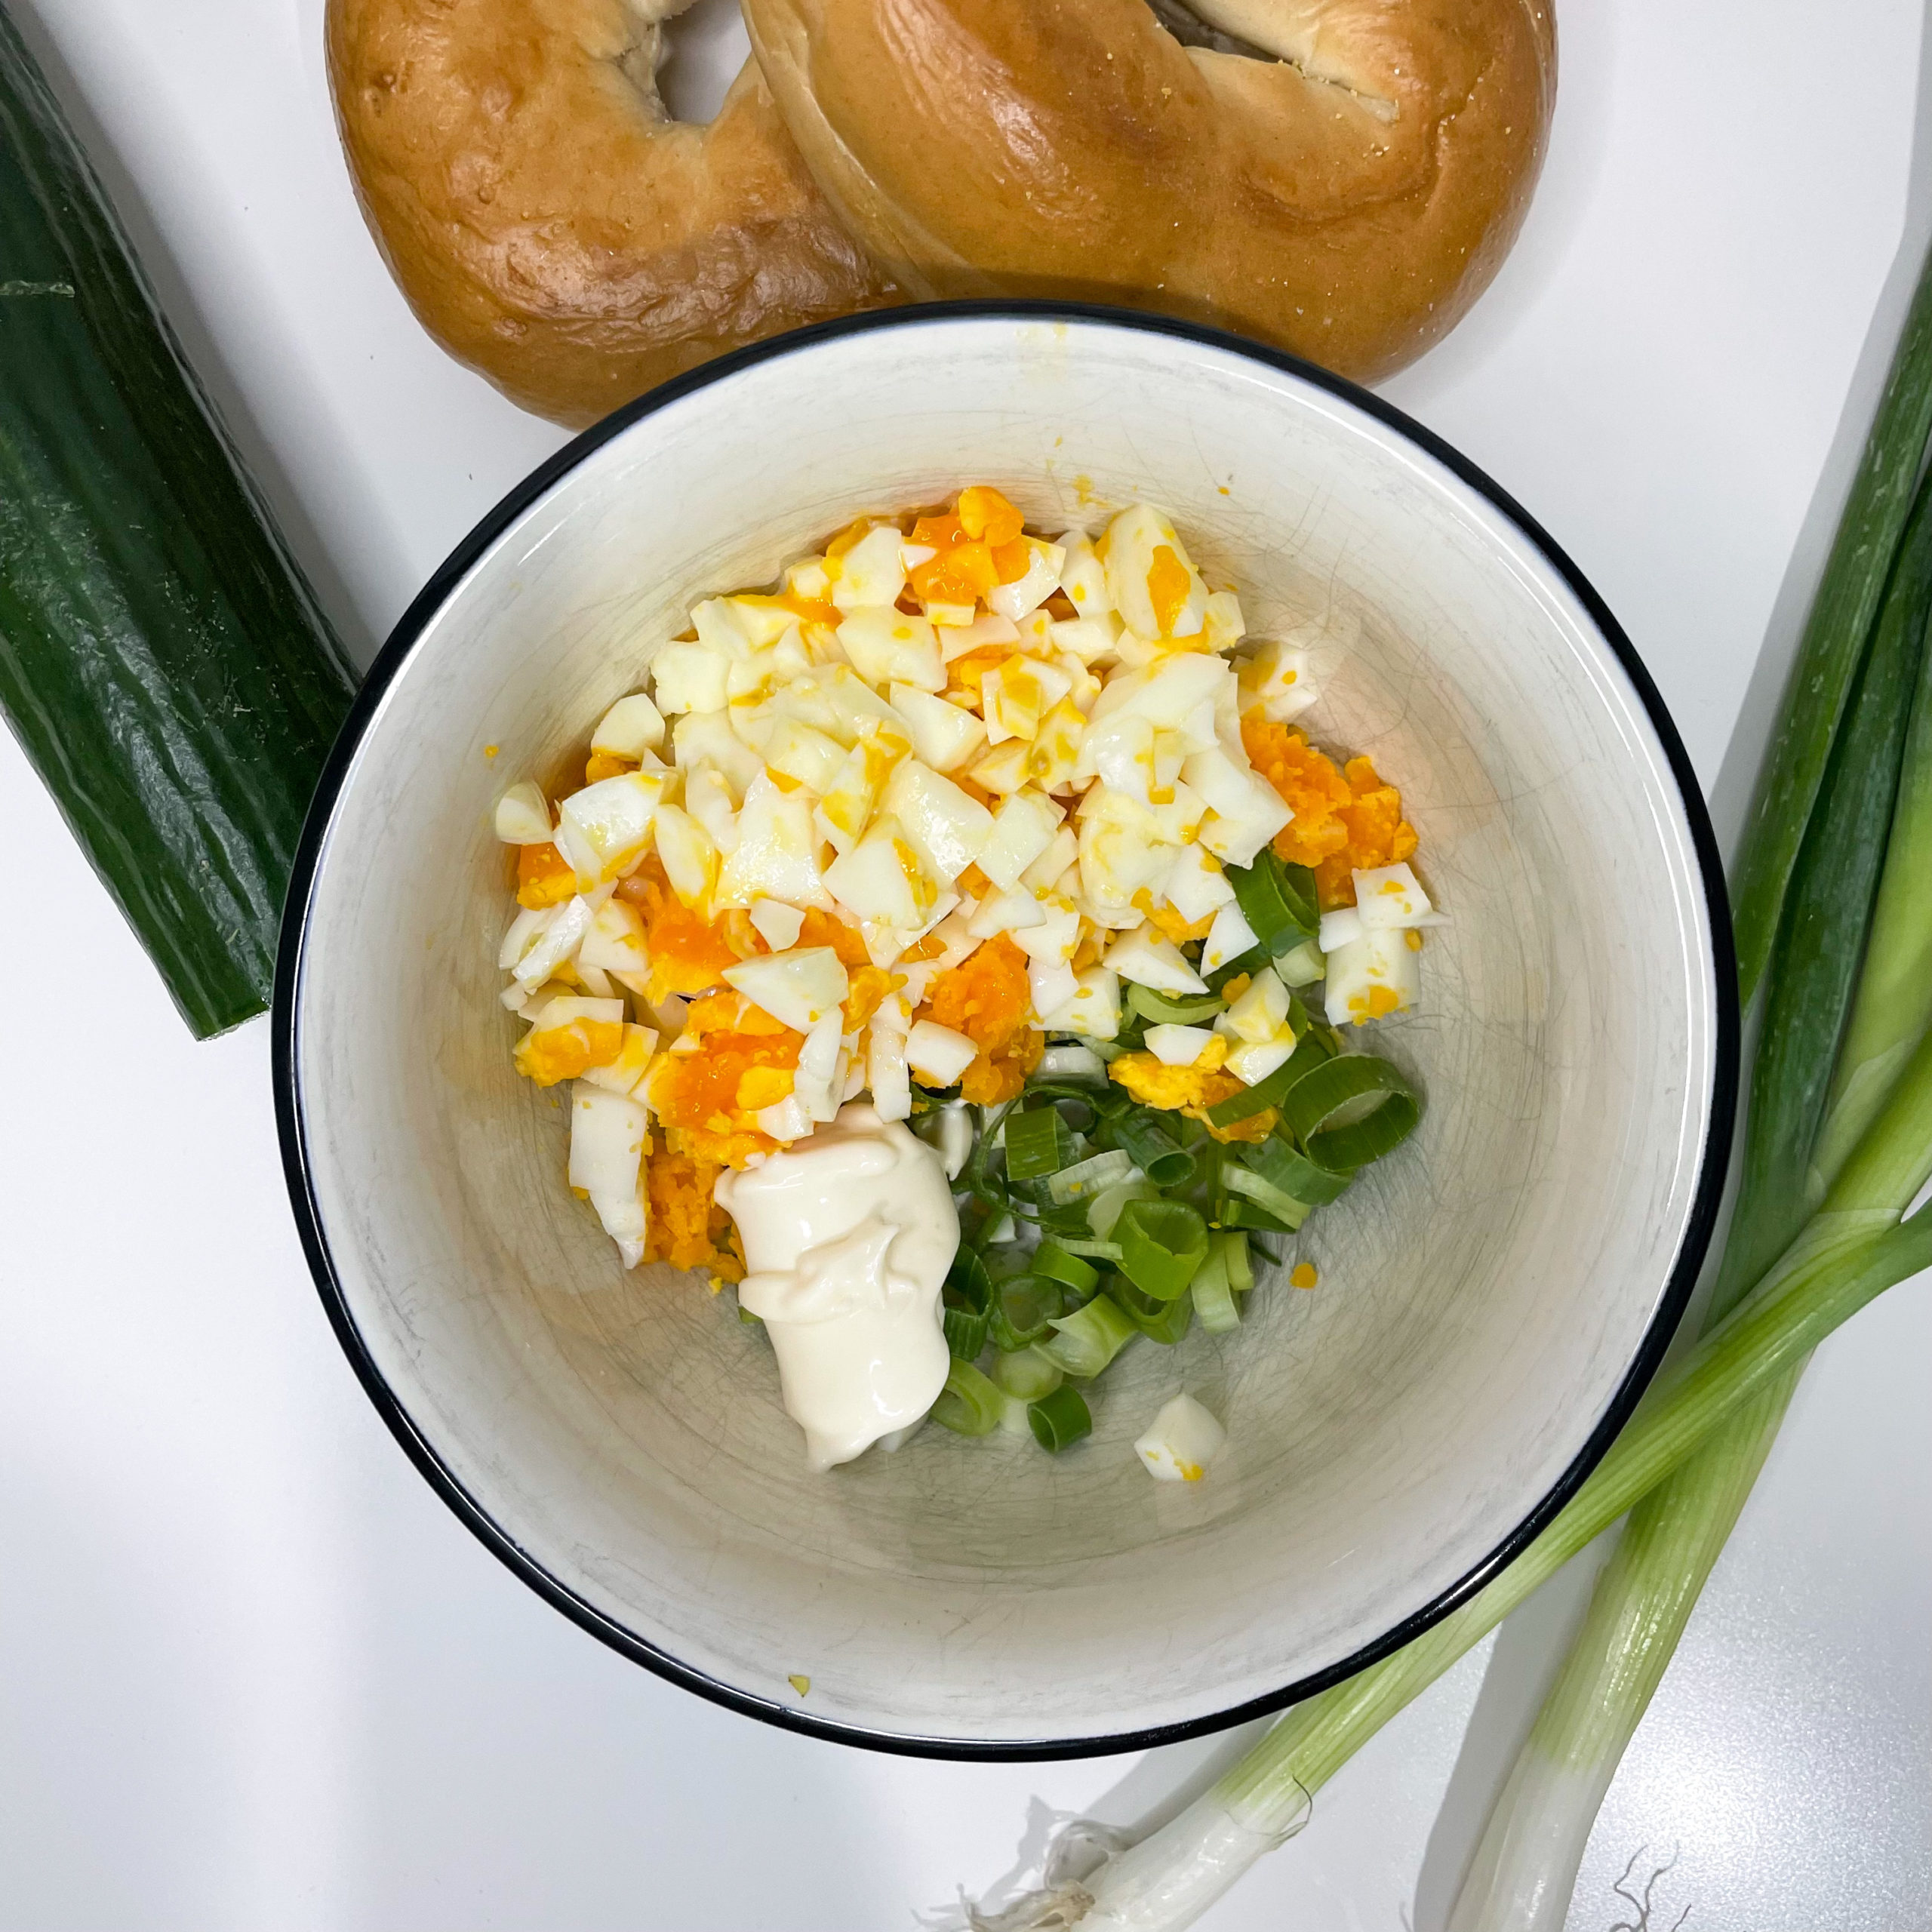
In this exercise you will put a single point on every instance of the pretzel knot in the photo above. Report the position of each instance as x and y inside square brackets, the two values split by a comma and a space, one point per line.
[1340, 178]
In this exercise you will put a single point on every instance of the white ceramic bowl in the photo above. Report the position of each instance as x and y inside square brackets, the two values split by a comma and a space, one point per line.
[1493, 1296]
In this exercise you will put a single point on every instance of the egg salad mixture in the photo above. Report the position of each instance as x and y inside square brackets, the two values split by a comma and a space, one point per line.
[1008, 847]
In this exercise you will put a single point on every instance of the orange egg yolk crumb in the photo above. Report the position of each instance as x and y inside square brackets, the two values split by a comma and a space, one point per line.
[543, 876]
[688, 954]
[684, 1225]
[1344, 821]
[746, 1061]
[986, 997]
[1188, 1090]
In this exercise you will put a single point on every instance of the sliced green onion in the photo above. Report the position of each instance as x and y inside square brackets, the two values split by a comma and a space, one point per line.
[1279, 1160]
[969, 1403]
[1301, 965]
[1023, 1305]
[1235, 1210]
[1061, 1419]
[1324, 1091]
[1165, 1010]
[1213, 1296]
[1086, 1178]
[1038, 1142]
[1052, 1259]
[1143, 1136]
[1098, 1251]
[1311, 1050]
[1104, 1209]
[1277, 900]
[965, 1332]
[1028, 1374]
[1163, 1322]
[1239, 1264]
[1289, 1213]
[1085, 1342]
[1162, 1244]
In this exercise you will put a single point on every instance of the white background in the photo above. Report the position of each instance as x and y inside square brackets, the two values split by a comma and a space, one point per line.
[252, 1674]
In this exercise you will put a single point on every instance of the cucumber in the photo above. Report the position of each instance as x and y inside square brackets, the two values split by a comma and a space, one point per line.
[162, 660]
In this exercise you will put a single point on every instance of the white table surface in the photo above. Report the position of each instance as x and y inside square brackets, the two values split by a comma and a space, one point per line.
[253, 1675]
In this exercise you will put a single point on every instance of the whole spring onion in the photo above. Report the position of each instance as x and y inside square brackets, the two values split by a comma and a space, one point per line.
[1525, 1868]
[1834, 640]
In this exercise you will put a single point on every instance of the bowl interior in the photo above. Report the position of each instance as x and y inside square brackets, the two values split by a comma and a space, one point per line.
[1484, 1293]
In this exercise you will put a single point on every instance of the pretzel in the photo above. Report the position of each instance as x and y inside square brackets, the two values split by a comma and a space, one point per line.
[549, 223]
[1339, 177]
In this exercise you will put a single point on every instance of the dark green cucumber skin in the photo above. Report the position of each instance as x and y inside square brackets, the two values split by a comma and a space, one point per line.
[162, 659]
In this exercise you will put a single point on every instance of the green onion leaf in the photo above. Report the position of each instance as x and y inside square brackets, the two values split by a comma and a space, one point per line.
[1023, 1305]
[1085, 1342]
[1214, 1295]
[1236, 1211]
[1163, 1322]
[1834, 642]
[1038, 1142]
[1311, 1050]
[1142, 1136]
[1088, 1178]
[1099, 1250]
[970, 1403]
[1165, 1010]
[965, 1332]
[1060, 1420]
[1288, 1213]
[1328, 1088]
[1162, 1244]
[1301, 966]
[1277, 900]
[1054, 1261]
[1029, 1373]
[1239, 1264]
[1278, 1159]
[1104, 1209]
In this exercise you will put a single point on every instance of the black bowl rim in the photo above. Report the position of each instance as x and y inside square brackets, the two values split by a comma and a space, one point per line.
[1699, 1226]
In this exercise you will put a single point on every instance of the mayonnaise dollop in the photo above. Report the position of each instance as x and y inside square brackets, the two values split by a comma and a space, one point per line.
[847, 1237]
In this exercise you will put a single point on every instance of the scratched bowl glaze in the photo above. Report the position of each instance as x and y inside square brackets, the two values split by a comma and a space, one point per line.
[1492, 1297]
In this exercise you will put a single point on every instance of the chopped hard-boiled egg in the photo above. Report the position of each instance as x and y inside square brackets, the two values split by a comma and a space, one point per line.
[1373, 977]
[1183, 1441]
[522, 818]
[631, 726]
[902, 819]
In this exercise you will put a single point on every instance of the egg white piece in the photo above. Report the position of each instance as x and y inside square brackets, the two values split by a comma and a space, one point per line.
[937, 1054]
[1372, 977]
[631, 726]
[1178, 1046]
[1149, 959]
[800, 988]
[1182, 1442]
[522, 818]
[1390, 899]
[1228, 938]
